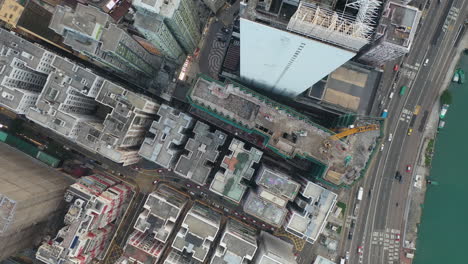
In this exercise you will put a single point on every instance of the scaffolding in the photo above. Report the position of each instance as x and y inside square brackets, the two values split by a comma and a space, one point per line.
[339, 29]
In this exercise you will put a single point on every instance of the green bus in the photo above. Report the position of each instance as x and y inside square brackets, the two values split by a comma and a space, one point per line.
[403, 90]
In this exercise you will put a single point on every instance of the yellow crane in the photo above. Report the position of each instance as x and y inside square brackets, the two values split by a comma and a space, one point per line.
[355, 130]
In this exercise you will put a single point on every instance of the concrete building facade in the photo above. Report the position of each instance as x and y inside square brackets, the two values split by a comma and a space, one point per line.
[180, 16]
[394, 35]
[10, 11]
[238, 244]
[315, 203]
[161, 210]
[24, 67]
[202, 151]
[156, 31]
[95, 203]
[313, 38]
[272, 249]
[197, 232]
[237, 166]
[88, 109]
[90, 31]
[31, 197]
[170, 130]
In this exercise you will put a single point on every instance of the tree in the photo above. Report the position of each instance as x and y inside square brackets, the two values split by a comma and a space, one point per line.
[446, 97]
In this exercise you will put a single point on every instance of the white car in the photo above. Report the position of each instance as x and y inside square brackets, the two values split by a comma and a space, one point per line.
[390, 137]
[347, 255]
[426, 62]
[382, 147]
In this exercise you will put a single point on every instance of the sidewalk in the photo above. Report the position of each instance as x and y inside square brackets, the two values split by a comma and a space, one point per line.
[417, 194]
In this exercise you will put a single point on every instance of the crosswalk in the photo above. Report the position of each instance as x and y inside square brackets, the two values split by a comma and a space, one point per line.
[389, 240]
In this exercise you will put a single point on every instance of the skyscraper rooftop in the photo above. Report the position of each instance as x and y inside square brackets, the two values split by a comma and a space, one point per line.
[202, 148]
[169, 130]
[237, 166]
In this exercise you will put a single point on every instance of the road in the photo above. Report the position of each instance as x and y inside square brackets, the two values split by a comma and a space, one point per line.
[381, 220]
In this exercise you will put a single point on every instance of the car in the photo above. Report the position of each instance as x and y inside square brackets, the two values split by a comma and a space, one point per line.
[390, 137]
[347, 255]
[188, 185]
[426, 62]
[410, 130]
[350, 235]
[198, 187]
[159, 170]
[382, 147]
[408, 168]
[360, 250]
[154, 182]
[396, 67]
[397, 237]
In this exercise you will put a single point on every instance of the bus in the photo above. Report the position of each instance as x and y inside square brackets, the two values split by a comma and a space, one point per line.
[403, 90]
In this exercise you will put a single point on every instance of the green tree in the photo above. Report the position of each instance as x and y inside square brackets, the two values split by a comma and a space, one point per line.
[446, 97]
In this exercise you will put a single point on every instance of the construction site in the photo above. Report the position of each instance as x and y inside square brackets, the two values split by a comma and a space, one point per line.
[341, 157]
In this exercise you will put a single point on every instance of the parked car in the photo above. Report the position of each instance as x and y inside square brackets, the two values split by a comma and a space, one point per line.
[396, 67]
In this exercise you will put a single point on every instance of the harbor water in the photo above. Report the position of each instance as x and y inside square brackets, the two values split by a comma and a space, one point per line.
[443, 233]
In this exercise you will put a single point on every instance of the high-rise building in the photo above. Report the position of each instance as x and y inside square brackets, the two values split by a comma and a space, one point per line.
[31, 196]
[180, 16]
[238, 165]
[90, 110]
[156, 31]
[154, 225]
[287, 46]
[95, 203]
[272, 249]
[24, 67]
[90, 31]
[169, 134]
[202, 149]
[197, 232]
[308, 218]
[394, 35]
[238, 244]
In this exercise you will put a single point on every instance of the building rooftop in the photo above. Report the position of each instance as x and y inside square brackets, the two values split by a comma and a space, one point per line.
[264, 210]
[238, 244]
[23, 180]
[197, 232]
[322, 260]
[278, 184]
[143, 248]
[311, 221]
[273, 250]
[237, 166]
[203, 147]
[169, 130]
[350, 87]
[286, 132]
[311, 19]
[161, 7]
[399, 24]
[161, 211]
[176, 257]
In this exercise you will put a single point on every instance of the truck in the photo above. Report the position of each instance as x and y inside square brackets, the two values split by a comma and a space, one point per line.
[403, 90]
[384, 113]
[360, 193]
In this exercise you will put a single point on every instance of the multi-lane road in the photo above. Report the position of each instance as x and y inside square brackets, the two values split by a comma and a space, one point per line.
[382, 216]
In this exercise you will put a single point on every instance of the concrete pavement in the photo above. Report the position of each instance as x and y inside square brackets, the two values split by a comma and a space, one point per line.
[384, 220]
